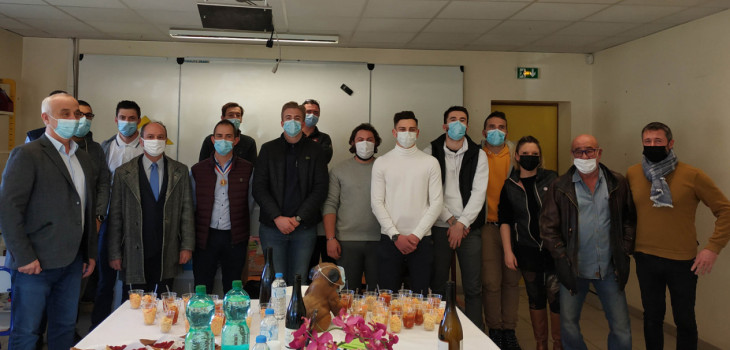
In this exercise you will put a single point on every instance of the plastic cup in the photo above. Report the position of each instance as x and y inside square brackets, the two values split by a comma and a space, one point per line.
[216, 323]
[149, 297]
[430, 319]
[395, 321]
[387, 295]
[135, 298]
[435, 300]
[409, 317]
[167, 321]
[167, 296]
[346, 297]
[149, 311]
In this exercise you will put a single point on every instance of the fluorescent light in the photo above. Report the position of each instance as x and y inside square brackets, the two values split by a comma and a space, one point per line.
[230, 35]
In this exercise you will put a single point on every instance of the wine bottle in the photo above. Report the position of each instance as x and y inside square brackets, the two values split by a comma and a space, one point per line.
[451, 335]
[267, 276]
[295, 312]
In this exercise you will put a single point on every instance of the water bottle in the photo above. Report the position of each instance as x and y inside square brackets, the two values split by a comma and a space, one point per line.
[200, 311]
[278, 296]
[270, 326]
[235, 305]
[261, 343]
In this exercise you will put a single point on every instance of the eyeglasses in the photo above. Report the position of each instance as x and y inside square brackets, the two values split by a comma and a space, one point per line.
[589, 152]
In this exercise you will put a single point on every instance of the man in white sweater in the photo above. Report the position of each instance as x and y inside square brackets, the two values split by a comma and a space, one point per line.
[406, 197]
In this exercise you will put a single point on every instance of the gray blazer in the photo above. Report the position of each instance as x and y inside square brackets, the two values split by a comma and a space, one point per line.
[41, 212]
[125, 220]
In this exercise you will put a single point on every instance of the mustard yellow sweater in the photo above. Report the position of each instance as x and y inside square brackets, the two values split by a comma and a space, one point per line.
[670, 232]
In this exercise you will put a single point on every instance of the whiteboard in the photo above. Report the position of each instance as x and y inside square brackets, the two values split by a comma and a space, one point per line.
[152, 82]
[428, 91]
[187, 97]
[208, 86]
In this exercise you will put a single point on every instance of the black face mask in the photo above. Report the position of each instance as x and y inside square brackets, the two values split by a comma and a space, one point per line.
[529, 163]
[655, 154]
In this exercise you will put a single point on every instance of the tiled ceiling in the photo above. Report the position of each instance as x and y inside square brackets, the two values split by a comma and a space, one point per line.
[581, 26]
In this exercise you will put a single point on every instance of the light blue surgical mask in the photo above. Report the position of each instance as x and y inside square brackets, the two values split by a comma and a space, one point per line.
[83, 128]
[127, 128]
[457, 130]
[236, 122]
[292, 127]
[311, 120]
[495, 137]
[223, 147]
[65, 128]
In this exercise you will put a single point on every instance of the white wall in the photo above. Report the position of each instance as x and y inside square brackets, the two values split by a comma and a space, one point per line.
[679, 77]
[11, 58]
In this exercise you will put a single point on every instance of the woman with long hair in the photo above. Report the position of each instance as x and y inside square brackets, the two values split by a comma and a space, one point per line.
[519, 211]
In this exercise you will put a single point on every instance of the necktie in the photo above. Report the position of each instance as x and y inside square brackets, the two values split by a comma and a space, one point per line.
[155, 180]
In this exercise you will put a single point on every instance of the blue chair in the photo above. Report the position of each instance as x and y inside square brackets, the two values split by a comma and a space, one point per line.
[7, 332]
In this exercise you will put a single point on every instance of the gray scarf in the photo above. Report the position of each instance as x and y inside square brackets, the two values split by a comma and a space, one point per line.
[656, 173]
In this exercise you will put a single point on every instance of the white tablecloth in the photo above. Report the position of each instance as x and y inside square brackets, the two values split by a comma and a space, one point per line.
[125, 325]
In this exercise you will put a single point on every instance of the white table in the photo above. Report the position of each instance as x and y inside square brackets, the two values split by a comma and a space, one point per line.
[126, 325]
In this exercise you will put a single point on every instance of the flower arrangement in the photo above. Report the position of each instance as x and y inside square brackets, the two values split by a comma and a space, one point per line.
[374, 336]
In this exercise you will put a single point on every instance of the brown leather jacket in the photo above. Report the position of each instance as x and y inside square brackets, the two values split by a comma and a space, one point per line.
[559, 226]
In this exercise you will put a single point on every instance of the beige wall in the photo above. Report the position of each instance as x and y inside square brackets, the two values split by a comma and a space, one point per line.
[11, 58]
[679, 77]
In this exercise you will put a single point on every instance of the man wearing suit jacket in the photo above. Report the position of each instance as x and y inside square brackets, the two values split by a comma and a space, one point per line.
[47, 221]
[151, 229]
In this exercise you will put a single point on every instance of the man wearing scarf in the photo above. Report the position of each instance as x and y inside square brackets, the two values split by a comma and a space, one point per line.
[666, 193]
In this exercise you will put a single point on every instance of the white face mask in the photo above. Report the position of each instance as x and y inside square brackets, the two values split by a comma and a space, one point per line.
[585, 166]
[407, 139]
[154, 147]
[364, 149]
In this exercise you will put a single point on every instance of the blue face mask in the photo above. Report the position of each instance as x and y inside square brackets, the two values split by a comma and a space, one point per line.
[311, 120]
[127, 128]
[457, 130]
[495, 137]
[236, 122]
[292, 127]
[223, 147]
[65, 128]
[84, 126]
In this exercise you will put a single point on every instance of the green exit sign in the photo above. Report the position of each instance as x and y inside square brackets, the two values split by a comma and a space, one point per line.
[527, 73]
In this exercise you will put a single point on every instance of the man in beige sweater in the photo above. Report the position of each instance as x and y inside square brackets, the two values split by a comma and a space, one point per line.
[666, 194]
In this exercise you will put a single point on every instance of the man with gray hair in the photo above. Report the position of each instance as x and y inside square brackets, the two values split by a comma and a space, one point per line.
[47, 220]
[152, 208]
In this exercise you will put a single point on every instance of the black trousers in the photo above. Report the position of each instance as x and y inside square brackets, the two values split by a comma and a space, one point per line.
[655, 275]
[391, 263]
[231, 257]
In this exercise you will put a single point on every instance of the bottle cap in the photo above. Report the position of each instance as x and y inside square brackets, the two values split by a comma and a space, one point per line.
[200, 289]
[269, 311]
[237, 285]
[260, 339]
[279, 275]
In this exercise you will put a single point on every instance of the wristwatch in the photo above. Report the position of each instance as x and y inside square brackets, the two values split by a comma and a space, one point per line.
[395, 237]
[100, 218]
[298, 218]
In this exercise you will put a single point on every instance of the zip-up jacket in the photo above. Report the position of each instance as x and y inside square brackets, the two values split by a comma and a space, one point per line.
[513, 206]
[559, 226]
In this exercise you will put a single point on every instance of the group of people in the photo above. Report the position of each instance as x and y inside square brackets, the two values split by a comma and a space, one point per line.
[394, 219]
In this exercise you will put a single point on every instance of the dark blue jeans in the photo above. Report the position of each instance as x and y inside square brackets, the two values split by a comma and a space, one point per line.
[391, 262]
[470, 261]
[655, 275]
[107, 279]
[358, 257]
[291, 252]
[53, 290]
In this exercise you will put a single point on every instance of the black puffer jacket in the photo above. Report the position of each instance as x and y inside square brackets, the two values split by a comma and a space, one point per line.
[513, 208]
[559, 226]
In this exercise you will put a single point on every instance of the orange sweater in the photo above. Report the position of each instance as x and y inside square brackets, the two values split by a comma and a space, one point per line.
[670, 232]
